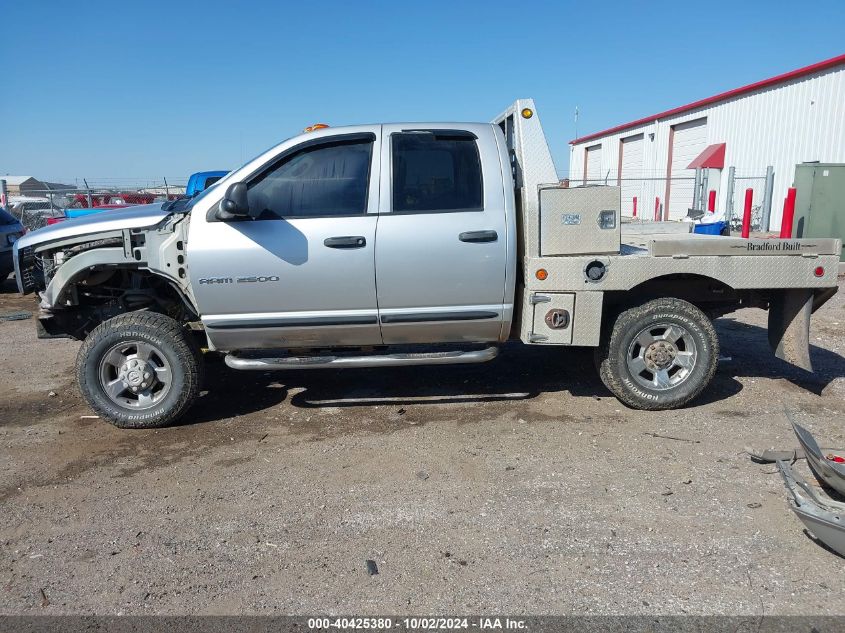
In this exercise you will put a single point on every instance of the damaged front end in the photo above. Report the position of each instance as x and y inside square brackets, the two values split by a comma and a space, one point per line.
[789, 323]
[87, 273]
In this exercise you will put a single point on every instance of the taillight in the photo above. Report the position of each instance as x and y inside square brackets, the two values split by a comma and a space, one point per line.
[819, 271]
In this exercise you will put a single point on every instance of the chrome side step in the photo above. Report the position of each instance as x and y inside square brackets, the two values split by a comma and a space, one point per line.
[383, 360]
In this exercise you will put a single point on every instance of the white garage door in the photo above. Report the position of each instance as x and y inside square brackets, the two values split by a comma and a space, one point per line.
[594, 163]
[689, 140]
[632, 167]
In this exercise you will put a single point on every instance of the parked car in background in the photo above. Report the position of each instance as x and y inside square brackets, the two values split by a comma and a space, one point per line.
[82, 204]
[34, 212]
[201, 181]
[111, 200]
[80, 212]
[10, 230]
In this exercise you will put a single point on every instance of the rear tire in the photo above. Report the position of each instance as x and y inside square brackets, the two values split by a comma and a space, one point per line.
[140, 370]
[660, 355]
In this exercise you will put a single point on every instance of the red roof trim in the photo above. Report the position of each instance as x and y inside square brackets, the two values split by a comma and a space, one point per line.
[713, 157]
[765, 83]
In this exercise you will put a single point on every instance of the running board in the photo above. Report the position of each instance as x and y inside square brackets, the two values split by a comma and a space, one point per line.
[385, 360]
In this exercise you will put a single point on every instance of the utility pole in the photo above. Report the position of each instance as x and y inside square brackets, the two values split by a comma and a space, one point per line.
[576, 121]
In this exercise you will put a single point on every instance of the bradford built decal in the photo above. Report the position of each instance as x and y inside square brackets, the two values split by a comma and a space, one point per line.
[774, 245]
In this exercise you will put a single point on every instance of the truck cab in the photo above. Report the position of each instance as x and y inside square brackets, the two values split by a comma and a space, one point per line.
[366, 235]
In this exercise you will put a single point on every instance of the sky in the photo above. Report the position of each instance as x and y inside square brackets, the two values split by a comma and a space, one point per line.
[150, 90]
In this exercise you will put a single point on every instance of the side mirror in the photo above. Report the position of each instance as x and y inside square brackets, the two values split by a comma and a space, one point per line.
[235, 203]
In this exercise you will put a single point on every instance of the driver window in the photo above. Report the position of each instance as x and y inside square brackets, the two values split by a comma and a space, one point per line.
[326, 180]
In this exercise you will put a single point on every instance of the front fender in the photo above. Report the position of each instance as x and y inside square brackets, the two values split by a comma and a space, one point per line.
[78, 264]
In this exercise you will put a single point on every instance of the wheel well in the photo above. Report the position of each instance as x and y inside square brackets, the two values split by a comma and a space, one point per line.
[104, 293]
[712, 296]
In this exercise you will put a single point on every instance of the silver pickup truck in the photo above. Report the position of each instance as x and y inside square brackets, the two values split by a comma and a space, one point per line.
[402, 244]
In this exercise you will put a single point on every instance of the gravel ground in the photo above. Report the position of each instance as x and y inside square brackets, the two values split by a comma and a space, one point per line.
[519, 486]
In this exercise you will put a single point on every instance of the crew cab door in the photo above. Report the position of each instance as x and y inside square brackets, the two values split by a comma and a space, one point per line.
[441, 242]
[302, 273]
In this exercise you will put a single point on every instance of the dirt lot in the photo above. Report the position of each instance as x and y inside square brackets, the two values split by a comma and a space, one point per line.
[518, 486]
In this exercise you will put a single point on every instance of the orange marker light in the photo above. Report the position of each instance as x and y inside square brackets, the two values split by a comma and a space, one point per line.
[541, 274]
[527, 113]
[316, 126]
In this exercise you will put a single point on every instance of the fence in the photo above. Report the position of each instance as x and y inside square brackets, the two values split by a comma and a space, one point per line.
[36, 207]
[760, 182]
[646, 197]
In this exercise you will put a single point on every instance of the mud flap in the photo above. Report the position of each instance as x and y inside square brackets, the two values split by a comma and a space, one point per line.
[789, 326]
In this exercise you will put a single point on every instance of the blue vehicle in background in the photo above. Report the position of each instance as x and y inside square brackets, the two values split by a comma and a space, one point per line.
[201, 181]
[197, 183]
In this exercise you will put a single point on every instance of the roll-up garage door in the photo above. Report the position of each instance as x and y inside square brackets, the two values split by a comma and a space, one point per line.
[632, 167]
[688, 141]
[593, 164]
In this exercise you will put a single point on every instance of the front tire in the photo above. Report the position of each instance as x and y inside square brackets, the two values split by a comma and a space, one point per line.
[660, 355]
[139, 370]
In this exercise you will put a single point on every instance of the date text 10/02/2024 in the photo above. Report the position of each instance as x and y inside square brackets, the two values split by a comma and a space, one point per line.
[417, 623]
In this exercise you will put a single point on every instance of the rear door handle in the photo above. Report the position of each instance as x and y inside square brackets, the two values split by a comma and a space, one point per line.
[346, 241]
[478, 236]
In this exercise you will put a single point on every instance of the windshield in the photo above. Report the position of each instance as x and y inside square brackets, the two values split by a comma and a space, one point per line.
[6, 217]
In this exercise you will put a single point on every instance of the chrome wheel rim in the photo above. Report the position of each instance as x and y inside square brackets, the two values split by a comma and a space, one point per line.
[662, 356]
[135, 375]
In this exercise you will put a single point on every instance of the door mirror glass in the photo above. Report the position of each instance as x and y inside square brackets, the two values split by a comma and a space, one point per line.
[235, 203]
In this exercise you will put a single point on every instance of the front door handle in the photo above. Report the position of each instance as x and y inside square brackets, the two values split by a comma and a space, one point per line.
[478, 236]
[346, 241]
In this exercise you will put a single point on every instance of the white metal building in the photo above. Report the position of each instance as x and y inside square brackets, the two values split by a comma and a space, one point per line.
[795, 117]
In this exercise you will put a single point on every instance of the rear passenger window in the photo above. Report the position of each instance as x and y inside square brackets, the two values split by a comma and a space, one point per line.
[436, 171]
